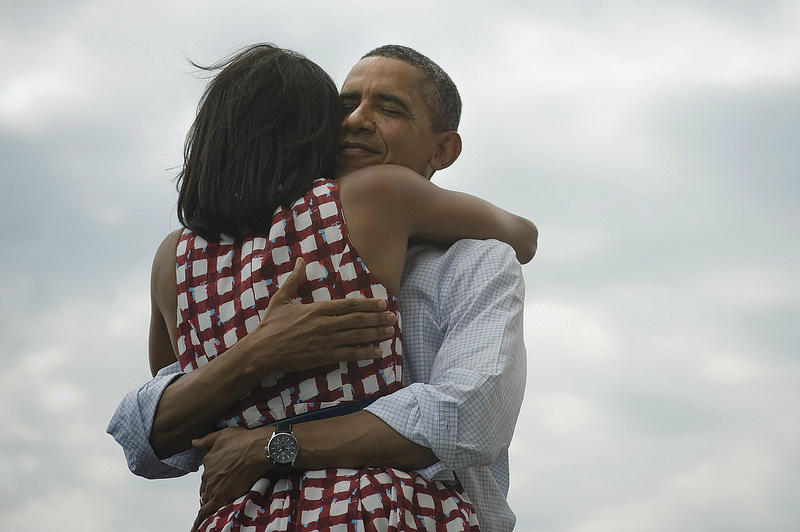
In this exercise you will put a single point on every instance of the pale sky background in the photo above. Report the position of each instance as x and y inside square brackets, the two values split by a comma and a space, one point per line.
[655, 144]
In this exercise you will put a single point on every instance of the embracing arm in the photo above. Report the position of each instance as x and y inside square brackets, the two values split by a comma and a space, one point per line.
[466, 410]
[289, 338]
[131, 424]
[463, 415]
[437, 214]
[189, 406]
[162, 417]
[235, 459]
[475, 387]
[401, 430]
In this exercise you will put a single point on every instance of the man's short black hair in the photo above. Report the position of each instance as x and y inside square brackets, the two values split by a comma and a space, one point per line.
[440, 91]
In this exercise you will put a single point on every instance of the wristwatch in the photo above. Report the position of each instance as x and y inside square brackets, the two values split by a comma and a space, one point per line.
[282, 448]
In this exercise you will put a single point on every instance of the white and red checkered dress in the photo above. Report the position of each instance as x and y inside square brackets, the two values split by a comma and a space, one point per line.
[223, 291]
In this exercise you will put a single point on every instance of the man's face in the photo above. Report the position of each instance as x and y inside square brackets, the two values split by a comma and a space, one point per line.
[386, 117]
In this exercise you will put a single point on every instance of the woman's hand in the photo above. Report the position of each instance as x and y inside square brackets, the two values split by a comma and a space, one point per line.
[235, 459]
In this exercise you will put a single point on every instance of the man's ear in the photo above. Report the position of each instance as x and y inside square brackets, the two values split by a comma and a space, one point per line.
[448, 148]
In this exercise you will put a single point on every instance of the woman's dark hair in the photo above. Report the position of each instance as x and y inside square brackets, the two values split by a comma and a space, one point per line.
[267, 125]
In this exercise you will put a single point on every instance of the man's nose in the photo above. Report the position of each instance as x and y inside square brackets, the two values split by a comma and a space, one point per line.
[359, 119]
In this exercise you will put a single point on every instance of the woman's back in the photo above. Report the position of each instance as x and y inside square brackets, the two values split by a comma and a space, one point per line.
[224, 288]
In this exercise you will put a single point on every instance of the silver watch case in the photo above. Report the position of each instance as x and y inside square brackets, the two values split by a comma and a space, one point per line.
[282, 448]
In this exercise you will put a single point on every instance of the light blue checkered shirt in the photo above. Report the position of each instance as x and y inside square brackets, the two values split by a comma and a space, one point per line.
[463, 370]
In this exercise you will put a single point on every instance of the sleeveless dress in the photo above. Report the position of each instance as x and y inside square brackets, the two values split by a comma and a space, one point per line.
[223, 291]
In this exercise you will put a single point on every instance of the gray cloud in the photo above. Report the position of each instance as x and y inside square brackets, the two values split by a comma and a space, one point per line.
[653, 145]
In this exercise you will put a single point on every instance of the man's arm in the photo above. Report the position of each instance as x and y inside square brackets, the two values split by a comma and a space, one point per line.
[235, 457]
[464, 415]
[466, 408]
[290, 337]
[131, 424]
[162, 417]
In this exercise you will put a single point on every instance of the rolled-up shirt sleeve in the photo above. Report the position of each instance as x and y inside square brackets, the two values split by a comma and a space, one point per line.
[131, 425]
[466, 410]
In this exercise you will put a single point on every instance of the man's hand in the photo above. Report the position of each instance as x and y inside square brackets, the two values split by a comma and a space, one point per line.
[289, 338]
[299, 337]
[235, 459]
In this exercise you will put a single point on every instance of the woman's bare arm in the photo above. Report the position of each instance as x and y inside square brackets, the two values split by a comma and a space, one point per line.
[163, 297]
[437, 214]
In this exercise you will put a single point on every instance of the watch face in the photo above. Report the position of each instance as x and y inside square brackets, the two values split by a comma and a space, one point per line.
[283, 448]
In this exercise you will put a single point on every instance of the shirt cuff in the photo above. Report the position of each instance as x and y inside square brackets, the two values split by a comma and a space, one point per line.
[131, 425]
[437, 471]
[392, 411]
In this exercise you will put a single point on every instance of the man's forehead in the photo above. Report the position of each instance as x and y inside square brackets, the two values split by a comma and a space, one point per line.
[383, 75]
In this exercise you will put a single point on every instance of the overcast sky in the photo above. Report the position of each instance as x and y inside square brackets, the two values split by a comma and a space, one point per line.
[655, 144]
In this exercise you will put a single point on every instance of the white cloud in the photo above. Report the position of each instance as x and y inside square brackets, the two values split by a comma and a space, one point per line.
[661, 339]
[41, 85]
[24, 100]
[752, 286]
[570, 331]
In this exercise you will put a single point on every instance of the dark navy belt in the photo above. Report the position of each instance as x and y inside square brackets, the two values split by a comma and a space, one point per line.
[331, 411]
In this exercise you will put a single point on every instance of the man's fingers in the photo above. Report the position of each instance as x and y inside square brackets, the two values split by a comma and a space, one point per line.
[288, 289]
[356, 320]
[206, 442]
[346, 306]
[206, 509]
[198, 520]
[361, 336]
[201, 516]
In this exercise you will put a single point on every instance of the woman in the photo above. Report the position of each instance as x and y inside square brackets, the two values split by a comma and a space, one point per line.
[253, 205]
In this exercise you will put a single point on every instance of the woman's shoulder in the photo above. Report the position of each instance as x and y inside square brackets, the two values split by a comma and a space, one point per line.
[387, 181]
[164, 260]
[166, 250]
[162, 276]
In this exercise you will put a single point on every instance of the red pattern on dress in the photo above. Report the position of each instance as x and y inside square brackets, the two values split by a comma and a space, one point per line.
[223, 291]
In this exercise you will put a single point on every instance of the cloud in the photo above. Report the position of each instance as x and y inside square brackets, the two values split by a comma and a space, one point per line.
[653, 144]
[638, 425]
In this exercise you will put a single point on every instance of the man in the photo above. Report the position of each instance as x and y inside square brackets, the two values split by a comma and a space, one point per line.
[464, 359]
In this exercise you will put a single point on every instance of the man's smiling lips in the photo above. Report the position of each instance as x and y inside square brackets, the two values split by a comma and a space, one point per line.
[356, 149]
